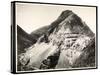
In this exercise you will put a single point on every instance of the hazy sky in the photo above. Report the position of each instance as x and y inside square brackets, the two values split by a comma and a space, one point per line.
[33, 16]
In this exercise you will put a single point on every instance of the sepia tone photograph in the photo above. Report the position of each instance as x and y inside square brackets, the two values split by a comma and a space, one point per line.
[55, 37]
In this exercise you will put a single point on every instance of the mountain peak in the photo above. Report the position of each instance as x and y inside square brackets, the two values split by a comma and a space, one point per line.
[70, 20]
[65, 14]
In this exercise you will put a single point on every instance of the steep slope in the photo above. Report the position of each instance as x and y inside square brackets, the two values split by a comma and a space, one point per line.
[24, 40]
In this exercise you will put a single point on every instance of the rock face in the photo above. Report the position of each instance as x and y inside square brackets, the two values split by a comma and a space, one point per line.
[66, 43]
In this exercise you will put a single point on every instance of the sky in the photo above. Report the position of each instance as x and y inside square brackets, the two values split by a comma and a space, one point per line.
[31, 16]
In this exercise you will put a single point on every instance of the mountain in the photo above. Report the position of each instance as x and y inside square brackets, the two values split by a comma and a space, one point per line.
[66, 43]
[49, 29]
[24, 40]
[72, 21]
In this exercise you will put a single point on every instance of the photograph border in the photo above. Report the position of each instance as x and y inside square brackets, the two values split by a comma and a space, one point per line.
[14, 39]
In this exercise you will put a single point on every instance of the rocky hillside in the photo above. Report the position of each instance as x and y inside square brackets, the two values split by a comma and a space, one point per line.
[65, 43]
